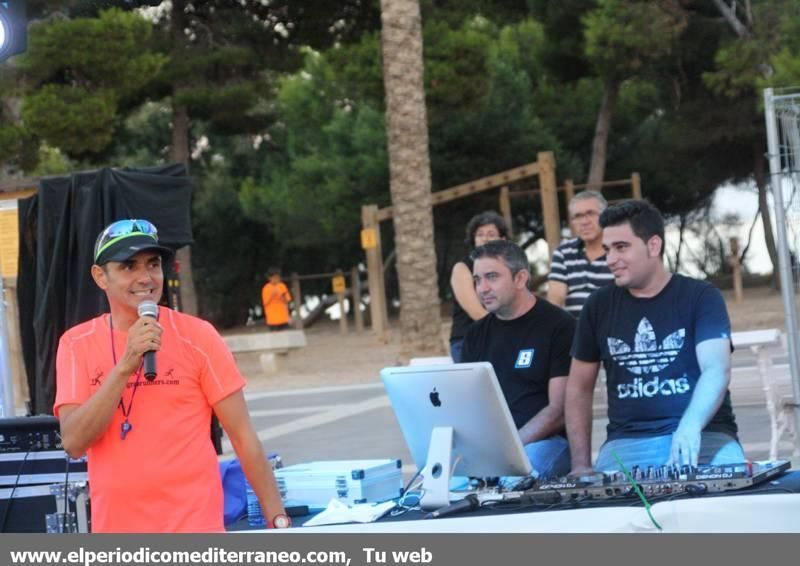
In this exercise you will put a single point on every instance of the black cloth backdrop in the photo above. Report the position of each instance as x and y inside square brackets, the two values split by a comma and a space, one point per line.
[58, 226]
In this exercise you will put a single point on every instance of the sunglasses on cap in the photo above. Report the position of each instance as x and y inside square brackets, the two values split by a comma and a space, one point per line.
[121, 229]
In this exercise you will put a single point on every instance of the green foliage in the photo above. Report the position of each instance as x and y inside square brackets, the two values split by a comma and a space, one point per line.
[785, 57]
[50, 161]
[455, 12]
[786, 64]
[288, 100]
[456, 67]
[564, 51]
[16, 146]
[332, 158]
[768, 55]
[107, 52]
[143, 138]
[85, 69]
[72, 118]
[622, 36]
[327, 155]
[231, 251]
[738, 68]
[358, 69]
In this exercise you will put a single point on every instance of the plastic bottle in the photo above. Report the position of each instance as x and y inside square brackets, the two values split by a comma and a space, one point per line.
[255, 518]
[275, 459]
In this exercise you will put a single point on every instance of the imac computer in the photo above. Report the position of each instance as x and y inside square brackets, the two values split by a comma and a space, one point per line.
[455, 420]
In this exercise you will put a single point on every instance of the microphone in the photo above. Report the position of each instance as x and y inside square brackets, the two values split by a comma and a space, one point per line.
[149, 308]
[469, 503]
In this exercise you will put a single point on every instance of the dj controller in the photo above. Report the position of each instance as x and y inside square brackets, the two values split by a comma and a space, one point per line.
[652, 481]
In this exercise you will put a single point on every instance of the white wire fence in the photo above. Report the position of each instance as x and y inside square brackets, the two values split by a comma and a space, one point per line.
[782, 114]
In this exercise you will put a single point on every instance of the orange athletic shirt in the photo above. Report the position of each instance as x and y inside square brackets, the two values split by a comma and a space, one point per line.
[275, 298]
[164, 477]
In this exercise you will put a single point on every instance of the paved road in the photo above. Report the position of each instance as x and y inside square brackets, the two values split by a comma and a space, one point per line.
[357, 422]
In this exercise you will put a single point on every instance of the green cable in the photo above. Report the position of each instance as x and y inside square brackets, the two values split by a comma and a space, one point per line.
[636, 489]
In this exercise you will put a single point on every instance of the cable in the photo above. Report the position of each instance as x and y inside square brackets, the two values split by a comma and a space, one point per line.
[7, 510]
[636, 489]
[408, 485]
[66, 487]
[406, 492]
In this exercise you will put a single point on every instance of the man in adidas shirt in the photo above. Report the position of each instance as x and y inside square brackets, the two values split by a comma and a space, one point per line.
[664, 341]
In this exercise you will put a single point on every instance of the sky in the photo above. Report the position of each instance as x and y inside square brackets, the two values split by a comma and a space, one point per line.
[743, 201]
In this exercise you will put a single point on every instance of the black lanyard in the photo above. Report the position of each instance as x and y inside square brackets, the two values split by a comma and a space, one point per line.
[126, 426]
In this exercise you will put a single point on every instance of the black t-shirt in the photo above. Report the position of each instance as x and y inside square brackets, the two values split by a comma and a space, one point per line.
[647, 346]
[525, 353]
[461, 320]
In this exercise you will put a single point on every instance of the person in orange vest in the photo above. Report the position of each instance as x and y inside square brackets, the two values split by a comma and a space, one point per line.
[275, 297]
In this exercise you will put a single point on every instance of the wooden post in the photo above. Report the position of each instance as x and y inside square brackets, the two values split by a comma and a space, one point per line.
[636, 185]
[340, 288]
[297, 322]
[569, 191]
[18, 373]
[371, 242]
[355, 285]
[547, 182]
[736, 268]
[505, 208]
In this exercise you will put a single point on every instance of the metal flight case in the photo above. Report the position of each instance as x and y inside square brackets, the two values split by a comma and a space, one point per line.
[351, 482]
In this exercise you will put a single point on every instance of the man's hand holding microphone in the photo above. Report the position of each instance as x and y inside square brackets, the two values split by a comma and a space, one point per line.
[144, 340]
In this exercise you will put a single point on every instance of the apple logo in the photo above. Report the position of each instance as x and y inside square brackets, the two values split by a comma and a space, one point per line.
[435, 401]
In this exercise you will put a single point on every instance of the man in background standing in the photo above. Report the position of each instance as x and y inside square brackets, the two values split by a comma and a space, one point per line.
[275, 297]
[579, 264]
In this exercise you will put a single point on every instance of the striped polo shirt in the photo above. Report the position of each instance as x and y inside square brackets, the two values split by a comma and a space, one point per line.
[571, 266]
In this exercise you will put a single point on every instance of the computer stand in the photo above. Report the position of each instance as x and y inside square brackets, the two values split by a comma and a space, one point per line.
[438, 467]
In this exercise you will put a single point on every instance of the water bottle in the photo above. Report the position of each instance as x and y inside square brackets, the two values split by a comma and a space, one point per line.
[255, 518]
[275, 460]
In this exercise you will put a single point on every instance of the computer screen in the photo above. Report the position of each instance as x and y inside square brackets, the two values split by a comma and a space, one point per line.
[455, 421]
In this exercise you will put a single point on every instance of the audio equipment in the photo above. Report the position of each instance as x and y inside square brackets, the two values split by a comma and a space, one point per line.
[29, 434]
[652, 481]
[34, 474]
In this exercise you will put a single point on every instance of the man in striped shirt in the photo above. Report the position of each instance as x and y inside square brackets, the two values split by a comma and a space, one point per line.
[579, 264]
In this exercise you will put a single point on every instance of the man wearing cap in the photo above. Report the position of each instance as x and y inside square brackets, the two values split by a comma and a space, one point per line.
[152, 465]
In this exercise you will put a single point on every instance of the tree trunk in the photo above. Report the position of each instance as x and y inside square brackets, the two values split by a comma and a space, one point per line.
[597, 169]
[682, 233]
[410, 177]
[180, 154]
[759, 172]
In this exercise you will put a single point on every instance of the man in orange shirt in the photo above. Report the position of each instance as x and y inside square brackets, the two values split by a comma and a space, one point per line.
[275, 297]
[152, 465]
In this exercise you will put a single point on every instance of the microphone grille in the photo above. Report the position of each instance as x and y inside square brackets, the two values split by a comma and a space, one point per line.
[148, 308]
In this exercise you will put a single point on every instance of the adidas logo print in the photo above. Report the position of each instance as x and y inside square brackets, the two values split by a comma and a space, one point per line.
[646, 356]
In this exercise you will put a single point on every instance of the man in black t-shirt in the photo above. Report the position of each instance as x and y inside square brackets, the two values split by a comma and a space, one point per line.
[664, 341]
[527, 341]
